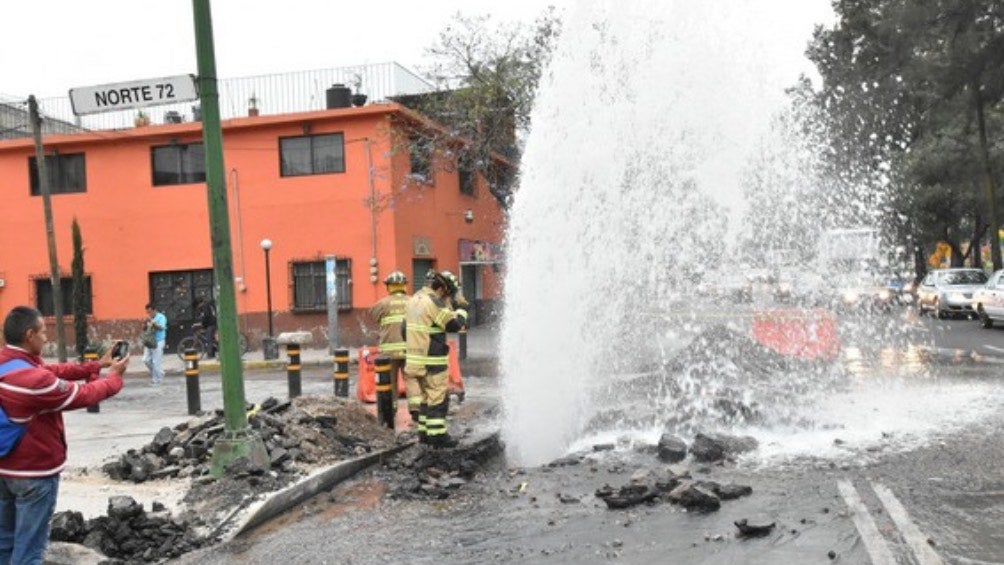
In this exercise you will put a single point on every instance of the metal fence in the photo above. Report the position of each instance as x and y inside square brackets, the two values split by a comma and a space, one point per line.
[272, 94]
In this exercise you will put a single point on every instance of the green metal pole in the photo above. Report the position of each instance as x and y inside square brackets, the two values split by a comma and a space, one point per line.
[238, 440]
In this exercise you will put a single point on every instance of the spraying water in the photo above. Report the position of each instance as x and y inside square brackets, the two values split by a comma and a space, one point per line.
[632, 183]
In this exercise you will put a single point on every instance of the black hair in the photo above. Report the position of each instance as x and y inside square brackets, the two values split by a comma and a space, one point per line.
[19, 320]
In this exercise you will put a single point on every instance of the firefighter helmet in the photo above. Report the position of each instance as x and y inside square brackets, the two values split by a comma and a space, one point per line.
[396, 277]
[454, 285]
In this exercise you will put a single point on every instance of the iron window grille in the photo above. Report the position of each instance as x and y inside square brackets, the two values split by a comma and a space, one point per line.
[310, 285]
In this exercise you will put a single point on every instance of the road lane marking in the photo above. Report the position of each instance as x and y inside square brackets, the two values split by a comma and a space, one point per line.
[875, 544]
[994, 348]
[911, 533]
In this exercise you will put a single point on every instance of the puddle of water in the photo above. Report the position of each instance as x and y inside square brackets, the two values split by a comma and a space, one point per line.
[356, 496]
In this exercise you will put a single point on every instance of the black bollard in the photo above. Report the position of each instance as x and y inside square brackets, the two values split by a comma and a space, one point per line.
[293, 369]
[342, 373]
[385, 400]
[192, 381]
[91, 354]
[462, 344]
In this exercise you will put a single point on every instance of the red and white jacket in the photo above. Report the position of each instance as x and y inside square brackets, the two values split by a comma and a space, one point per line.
[37, 396]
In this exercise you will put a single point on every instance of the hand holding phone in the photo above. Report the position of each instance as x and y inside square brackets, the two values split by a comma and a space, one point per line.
[120, 349]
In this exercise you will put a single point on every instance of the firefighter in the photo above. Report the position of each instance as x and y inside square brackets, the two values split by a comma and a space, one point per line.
[389, 313]
[428, 317]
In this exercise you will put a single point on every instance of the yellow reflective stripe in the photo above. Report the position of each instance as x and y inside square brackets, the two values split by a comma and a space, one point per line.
[424, 329]
[414, 401]
[383, 388]
[426, 360]
[461, 312]
[443, 317]
[435, 421]
[394, 346]
[388, 320]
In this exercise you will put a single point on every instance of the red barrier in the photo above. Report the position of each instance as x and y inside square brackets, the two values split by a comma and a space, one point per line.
[809, 334]
[456, 386]
[366, 383]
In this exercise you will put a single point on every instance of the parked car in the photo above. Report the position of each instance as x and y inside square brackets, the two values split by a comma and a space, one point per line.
[988, 301]
[859, 293]
[950, 291]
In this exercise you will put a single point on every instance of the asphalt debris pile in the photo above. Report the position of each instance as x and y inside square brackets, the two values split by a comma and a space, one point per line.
[299, 435]
[671, 484]
[438, 473]
[306, 431]
[129, 533]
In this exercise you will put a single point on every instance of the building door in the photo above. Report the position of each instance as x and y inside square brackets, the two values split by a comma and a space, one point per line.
[418, 269]
[471, 287]
[174, 294]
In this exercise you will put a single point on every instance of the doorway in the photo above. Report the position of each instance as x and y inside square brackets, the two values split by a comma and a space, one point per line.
[174, 294]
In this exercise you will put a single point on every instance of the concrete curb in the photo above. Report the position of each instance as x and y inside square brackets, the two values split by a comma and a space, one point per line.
[321, 480]
[960, 355]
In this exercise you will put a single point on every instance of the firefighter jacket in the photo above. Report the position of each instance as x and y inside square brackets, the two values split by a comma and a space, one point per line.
[427, 320]
[389, 313]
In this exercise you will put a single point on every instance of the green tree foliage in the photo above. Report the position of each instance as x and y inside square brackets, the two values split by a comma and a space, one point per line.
[486, 75]
[79, 289]
[912, 95]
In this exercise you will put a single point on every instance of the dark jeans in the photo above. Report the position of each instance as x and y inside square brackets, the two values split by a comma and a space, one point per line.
[211, 342]
[26, 506]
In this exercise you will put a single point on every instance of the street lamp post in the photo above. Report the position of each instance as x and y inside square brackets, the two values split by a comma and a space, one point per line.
[269, 348]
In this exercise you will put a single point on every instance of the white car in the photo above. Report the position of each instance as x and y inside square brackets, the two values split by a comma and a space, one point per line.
[989, 300]
[949, 291]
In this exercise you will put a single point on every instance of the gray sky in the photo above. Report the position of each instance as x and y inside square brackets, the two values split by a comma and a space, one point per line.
[50, 46]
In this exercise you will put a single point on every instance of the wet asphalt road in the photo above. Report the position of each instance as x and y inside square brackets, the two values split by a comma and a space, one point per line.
[934, 495]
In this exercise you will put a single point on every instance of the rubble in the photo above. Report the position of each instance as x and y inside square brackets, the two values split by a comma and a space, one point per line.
[436, 473]
[300, 435]
[709, 448]
[672, 484]
[747, 530]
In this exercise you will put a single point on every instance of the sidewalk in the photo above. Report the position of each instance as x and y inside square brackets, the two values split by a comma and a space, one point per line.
[482, 342]
[132, 418]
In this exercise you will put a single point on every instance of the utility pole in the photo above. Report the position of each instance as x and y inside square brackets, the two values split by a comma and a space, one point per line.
[238, 439]
[50, 232]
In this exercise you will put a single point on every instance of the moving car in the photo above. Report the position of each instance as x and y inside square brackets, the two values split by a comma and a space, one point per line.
[950, 291]
[988, 301]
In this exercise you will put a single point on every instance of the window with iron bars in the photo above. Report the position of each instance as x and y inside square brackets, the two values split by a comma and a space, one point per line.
[310, 285]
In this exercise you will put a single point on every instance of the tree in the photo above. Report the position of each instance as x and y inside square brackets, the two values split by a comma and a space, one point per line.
[79, 303]
[909, 92]
[486, 77]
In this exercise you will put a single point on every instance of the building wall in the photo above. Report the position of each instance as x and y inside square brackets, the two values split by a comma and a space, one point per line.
[131, 228]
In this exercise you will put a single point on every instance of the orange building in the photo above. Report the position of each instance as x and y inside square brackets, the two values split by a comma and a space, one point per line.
[342, 182]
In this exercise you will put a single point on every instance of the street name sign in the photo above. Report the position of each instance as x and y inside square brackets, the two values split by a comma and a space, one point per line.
[133, 94]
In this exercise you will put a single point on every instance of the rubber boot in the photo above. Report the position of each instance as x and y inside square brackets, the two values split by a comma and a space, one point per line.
[422, 436]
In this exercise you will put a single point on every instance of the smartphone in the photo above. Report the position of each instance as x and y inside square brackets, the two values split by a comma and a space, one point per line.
[120, 349]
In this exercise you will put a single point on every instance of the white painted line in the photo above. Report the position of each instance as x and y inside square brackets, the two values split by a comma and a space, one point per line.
[911, 533]
[994, 348]
[874, 542]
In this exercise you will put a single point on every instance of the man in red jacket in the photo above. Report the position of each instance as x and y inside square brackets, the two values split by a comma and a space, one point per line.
[36, 395]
